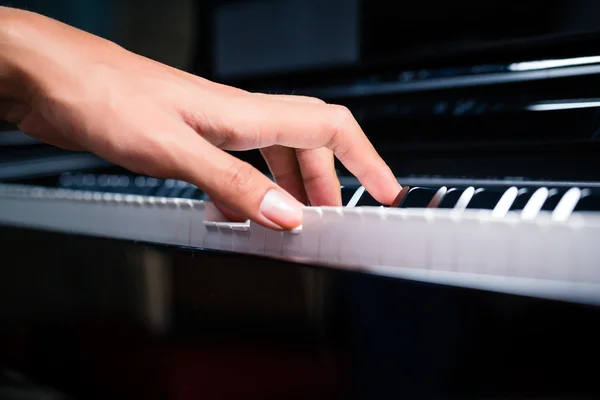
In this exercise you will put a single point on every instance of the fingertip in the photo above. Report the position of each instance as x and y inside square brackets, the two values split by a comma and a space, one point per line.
[385, 188]
[280, 210]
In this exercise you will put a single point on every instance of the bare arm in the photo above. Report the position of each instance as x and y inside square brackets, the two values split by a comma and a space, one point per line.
[78, 91]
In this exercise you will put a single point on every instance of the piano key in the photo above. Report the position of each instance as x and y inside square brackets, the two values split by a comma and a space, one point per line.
[165, 188]
[505, 202]
[485, 199]
[126, 185]
[362, 198]
[65, 180]
[437, 197]
[177, 189]
[322, 235]
[89, 180]
[356, 197]
[535, 204]
[103, 181]
[521, 200]
[143, 185]
[153, 182]
[589, 201]
[451, 198]
[400, 197]
[199, 195]
[347, 193]
[418, 197]
[566, 205]
[189, 192]
[464, 199]
[553, 198]
[366, 200]
[154, 186]
[78, 180]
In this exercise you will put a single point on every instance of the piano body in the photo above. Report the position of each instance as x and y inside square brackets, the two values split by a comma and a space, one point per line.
[483, 283]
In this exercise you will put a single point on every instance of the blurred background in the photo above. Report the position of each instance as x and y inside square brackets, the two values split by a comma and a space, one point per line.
[162, 30]
[383, 60]
[229, 39]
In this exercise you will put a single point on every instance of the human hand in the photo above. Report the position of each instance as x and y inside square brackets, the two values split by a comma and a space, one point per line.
[80, 92]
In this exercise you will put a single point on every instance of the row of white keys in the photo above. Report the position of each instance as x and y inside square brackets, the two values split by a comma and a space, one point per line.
[445, 237]
[500, 243]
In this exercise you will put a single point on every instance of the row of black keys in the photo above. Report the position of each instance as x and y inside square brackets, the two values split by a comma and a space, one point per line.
[417, 196]
[134, 185]
[484, 198]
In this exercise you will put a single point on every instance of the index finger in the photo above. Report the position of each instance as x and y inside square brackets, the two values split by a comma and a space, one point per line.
[258, 122]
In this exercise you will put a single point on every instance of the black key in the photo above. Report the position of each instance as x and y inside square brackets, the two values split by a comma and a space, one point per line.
[78, 181]
[188, 193]
[418, 197]
[485, 199]
[589, 201]
[65, 181]
[178, 189]
[400, 197]
[126, 185]
[347, 193]
[554, 196]
[367, 200]
[141, 186]
[200, 195]
[107, 183]
[152, 186]
[165, 188]
[451, 197]
[522, 198]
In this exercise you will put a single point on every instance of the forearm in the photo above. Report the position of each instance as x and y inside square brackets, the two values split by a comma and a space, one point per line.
[12, 55]
[35, 52]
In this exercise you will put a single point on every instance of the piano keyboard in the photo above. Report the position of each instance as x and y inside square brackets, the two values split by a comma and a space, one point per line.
[538, 241]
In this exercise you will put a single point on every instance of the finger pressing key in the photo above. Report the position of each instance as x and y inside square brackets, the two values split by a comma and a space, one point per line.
[260, 122]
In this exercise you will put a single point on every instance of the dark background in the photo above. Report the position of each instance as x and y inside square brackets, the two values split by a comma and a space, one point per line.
[227, 39]
[285, 46]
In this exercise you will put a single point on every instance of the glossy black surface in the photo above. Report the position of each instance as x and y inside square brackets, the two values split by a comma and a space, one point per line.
[485, 198]
[418, 197]
[590, 200]
[98, 318]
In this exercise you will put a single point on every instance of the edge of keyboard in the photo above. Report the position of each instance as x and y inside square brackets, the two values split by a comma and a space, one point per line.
[541, 257]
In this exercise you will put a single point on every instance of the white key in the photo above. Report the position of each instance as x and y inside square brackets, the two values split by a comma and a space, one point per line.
[503, 205]
[437, 197]
[464, 199]
[566, 205]
[535, 204]
[356, 197]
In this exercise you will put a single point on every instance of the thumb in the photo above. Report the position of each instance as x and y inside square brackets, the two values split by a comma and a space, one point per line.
[241, 188]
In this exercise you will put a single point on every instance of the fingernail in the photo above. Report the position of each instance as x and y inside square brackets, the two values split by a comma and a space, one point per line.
[281, 209]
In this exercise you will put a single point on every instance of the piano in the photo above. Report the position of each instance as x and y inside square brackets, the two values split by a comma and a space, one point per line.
[482, 281]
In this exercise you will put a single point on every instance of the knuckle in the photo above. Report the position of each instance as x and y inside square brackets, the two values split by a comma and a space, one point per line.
[221, 139]
[341, 116]
[340, 122]
[242, 177]
[313, 100]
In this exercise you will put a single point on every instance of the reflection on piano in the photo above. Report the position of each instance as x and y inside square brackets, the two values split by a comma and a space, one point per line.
[481, 281]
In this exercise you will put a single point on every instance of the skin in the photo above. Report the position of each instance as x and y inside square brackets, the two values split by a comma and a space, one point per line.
[80, 92]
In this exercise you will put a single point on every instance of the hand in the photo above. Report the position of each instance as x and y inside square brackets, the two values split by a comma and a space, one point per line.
[80, 92]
